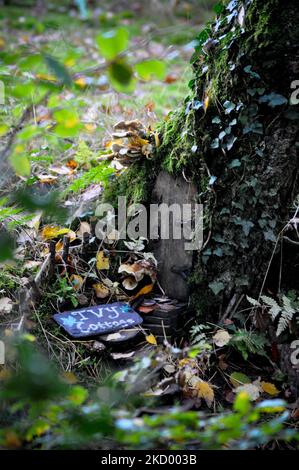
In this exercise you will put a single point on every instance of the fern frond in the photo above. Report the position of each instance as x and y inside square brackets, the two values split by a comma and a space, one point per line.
[283, 322]
[275, 308]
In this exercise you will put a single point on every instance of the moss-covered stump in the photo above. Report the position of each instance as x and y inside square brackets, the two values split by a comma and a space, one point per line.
[235, 138]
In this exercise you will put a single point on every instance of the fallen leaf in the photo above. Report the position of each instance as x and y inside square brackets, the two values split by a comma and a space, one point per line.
[253, 391]
[61, 170]
[169, 368]
[101, 290]
[130, 283]
[237, 379]
[102, 261]
[84, 228]
[49, 232]
[47, 179]
[145, 290]
[32, 264]
[76, 281]
[117, 356]
[72, 164]
[113, 336]
[221, 338]
[269, 388]
[70, 377]
[6, 305]
[151, 339]
[206, 392]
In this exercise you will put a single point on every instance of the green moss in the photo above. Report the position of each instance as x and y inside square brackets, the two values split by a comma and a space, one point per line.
[134, 183]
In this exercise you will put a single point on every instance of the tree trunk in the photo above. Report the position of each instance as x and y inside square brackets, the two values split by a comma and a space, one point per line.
[236, 140]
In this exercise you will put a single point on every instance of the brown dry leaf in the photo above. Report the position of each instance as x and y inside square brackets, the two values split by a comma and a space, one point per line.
[31, 264]
[76, 281]
[170, 78]
[269, 388]
[84, 228]
[47, 179]
[221, 362]
[206, 392]
[49, 232]
[130, 283]
[151, 339]
[61, 170]
[6, 305]
[72, 164]
[221, 338]
[102, 261]
[101, 290]
[139, 269]
[117, 356]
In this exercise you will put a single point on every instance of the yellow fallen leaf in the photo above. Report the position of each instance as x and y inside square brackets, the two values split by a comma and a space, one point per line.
[206, 392]
[102, 261]
[49, 232]
[269, 388]
[145, 290]
[151, 339]
[90, 127]
[70, 377]
[206, 103]
[157, 139]
[101, 290]
[81, 82]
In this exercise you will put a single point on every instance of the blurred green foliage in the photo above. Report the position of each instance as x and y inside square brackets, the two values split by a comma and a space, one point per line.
[42, 409]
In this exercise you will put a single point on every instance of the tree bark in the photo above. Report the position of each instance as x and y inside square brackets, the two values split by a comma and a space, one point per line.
[237, 140]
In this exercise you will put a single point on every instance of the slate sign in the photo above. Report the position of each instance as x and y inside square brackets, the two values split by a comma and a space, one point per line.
[98, 319]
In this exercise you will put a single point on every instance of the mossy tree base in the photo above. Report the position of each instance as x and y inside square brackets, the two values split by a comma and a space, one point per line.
[236, 138]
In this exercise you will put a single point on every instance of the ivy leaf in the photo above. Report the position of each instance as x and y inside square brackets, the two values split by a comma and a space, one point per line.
[234, 163]
[215, 144]
[229, 106]
[250, 72]
[216, 287]
[112, 43]
[273, 99]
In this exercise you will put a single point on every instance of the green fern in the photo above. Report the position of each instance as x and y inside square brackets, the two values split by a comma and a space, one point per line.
[285, 312]
[247, 342]
[98, 174]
